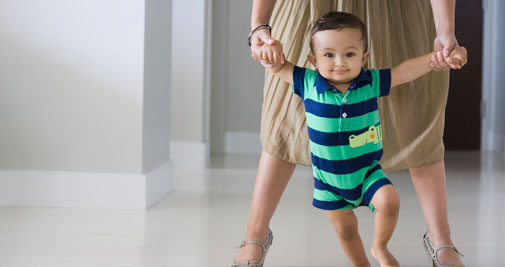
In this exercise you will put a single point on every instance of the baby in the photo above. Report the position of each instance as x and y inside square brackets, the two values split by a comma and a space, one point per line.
[340, 99]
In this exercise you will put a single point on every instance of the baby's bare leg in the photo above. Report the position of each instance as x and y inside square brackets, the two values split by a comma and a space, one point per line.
[346, 226]
[386, 203]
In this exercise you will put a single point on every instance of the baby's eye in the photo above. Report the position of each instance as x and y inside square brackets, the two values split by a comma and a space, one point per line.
[350, 54]
[328, 55]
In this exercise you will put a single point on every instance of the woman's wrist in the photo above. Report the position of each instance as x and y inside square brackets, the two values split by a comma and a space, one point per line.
[255, 24]
[254, 36]
[255, 30]
[445, 31]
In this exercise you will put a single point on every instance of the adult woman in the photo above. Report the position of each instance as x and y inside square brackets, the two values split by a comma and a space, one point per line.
[397, 30]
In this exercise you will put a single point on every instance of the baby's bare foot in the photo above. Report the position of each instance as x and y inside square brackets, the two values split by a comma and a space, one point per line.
[383, 256]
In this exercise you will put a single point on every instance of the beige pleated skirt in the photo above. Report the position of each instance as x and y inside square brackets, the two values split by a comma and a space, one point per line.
[412, 116]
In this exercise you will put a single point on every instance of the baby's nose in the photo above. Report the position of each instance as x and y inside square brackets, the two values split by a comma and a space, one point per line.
[339, 61]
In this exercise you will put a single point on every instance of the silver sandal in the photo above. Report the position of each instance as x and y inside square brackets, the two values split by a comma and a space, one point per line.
[432, 250]
[265, 245]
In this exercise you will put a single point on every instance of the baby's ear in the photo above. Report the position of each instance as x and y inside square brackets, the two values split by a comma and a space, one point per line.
[365, 59]
[312, 59]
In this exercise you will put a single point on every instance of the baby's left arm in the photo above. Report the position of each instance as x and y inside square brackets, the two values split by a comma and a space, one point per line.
[414, 68]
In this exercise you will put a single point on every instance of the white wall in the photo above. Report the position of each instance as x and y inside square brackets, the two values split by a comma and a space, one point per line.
[188, 70]
[70, 78]
[81, 126]
[219, 74]
[237, 81]
[246, 76]
[190, 106]
[493, 82]
[157, 80]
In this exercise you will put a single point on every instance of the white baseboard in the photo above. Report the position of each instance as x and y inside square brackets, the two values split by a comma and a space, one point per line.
[242, 143]
[159, 182]
[84, 190]
[189, 155]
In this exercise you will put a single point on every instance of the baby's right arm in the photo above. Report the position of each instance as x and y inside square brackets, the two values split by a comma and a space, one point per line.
[271, 56]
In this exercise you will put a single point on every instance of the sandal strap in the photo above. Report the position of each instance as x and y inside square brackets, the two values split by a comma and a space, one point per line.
[247, 264]
[439, 247]
[265, 245]
[433, 250]
[262, 244]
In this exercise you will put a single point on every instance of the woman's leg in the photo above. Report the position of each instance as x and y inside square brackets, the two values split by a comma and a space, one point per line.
[429, 182]
[271, 180]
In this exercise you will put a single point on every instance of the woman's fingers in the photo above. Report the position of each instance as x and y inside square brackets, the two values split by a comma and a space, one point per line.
[441, 60]
[264, 35]
[256, 49]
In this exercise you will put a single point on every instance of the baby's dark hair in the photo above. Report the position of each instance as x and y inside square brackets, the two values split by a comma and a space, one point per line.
[339, 21]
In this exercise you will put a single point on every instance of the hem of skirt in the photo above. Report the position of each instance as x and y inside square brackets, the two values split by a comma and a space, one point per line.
[423, 164]
[284, 158]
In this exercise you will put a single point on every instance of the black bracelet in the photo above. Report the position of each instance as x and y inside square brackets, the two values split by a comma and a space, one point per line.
[261, 27]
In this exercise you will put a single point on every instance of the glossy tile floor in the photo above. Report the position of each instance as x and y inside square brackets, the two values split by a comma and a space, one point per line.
[201, 222]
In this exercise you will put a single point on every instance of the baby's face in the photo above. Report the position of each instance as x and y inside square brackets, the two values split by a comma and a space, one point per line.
[338, 55]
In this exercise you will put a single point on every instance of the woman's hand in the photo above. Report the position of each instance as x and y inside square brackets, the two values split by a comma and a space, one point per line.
[445, 44]
[456, 59]
[258, 39]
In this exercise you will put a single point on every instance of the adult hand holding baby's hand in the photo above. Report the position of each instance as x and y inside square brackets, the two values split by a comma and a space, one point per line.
[271, 55]
[458, 58]
[258, 40]
[455, 60]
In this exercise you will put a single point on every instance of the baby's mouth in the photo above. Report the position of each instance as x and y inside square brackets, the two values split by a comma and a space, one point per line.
[340, 71]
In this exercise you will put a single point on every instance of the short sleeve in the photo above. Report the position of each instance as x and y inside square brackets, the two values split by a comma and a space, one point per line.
[384, 82]
[298, 81]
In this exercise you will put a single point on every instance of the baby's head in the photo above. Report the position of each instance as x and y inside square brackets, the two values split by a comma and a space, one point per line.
[339, 21]
[338, 46]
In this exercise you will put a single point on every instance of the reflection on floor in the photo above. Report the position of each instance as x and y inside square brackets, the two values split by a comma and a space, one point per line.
[201, 222]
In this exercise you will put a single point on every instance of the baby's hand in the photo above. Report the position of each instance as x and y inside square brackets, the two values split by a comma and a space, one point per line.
[271, 56]
[456, 60]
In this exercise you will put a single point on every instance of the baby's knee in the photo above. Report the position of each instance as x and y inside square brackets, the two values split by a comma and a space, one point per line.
[391, 209]
[388, 203]
[347, 232]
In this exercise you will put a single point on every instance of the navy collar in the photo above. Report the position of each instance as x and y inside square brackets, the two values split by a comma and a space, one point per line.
[363, 79]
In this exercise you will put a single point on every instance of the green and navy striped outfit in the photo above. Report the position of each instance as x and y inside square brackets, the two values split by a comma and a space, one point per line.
[345, 137]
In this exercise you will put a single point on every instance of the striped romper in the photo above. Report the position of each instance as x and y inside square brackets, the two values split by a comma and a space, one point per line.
[345, 137]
